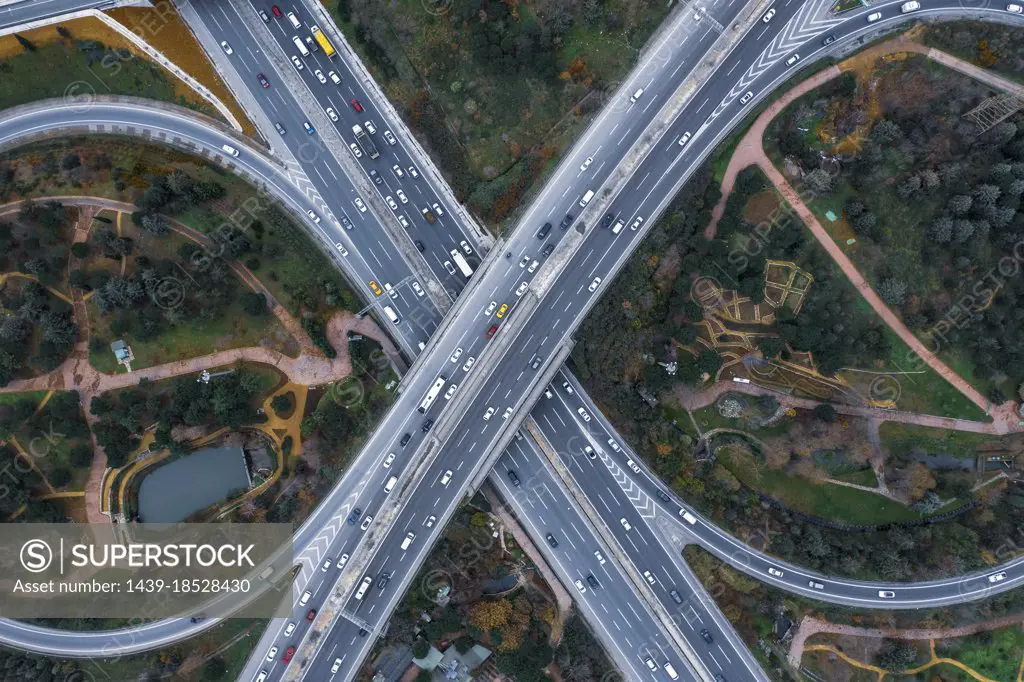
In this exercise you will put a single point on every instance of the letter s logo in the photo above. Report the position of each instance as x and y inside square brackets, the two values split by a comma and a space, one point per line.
[36, 556]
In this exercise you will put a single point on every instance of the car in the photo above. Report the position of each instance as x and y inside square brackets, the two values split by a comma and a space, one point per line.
[586, 164]
[313, 47]
[289, 629]
[583, 414]
[226, 47]
[649, 577]
[360, 205]
[397, 170]
[649, 662]
[637, 223]
[345, 222]
[512, 477]
[594, 284]
[551, 540]
[388, 460]
[335, 78]
[375, 176]
[793, 59]
[633, 465]
[706, 636]
[363, 632]
[271, 653]
[326, 566]
[886, 594]
[417, 289]
[446, 478]
[775, 572]
[521, 289]
[391, 203]
[322, 78]
[405, 439]
[593, 581]
[544, 230]
[389, 138]
[469, 364]
[720, 678]
[911, 6]
[567, 388]
[501, 311]
[607, 220]
[997, 578]
[401, 196]
[308, 127]
[427, 424]
[419, 245]
[264, 16]
[382, 581]
[548, 250]
[533, 267]
[464, 245]
[356, 105]
[663, 496]
[829, 39]
[288, 653]
[684, 139]
[698, 14]
[599, 556]
[456, 355]
[491, 332]
[370, 128]
[405, 224]
[276, 11]
[412, 170]
[488, 414]
[431, 520]
[1015, 9]
[768, 15]
[356, 151]
[507, 413]
[353, 516]
[367, 520]
[437, 209]
[874, 16]
[331, 114]
[580, 587]
[313, 216]
[299, 66]
[589, 452]
[280, 129]
[336, 666]
[375, 288]
[636, 95]
[613, 445]
[566, 221]
[815, 585]
[625, 523]
[524, 261]
[490, 308]
[676, 597]
[264, 82]
[538, 360]
[451, 391]
[311, 615]
[747, 97]
[548, 394]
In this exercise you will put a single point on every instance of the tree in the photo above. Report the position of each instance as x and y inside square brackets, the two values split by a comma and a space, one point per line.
[215, 670]
[281, 404]
[81, 456]
[820, 181]
[941, 231]
[80, 249]
[893, 291]
[420, 648]
[825, 412]
[897, 655]
[886, 132]
[960, 204]
[254, 303]
[155, 223]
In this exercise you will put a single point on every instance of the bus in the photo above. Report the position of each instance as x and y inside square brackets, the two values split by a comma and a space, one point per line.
[464, 268]
[431, 395]
[320, 38]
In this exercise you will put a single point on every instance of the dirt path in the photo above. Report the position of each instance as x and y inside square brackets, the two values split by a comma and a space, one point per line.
[750, 151]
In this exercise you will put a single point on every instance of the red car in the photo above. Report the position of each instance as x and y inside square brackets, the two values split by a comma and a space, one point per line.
[490, 332]
[263, 80]
[311, 615]
[276, 11]
[288, 653]
[357, 106]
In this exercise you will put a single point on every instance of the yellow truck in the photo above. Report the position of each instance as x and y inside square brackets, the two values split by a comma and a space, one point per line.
[320, 38]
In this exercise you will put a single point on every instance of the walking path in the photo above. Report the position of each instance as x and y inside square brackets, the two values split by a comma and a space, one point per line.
[750, 151]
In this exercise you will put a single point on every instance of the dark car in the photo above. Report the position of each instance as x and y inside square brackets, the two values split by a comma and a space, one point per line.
[363, 633]
[311, 615]
[405, 439]
[419, 246]
[566, 221]
[662, 495]
[512, 477]
[345, 222]
[276, 10]
[606, 221]
[548, 250]
[280, 128]
[551, 540]
[720, 678]
[375, 176]
[357, 106]
[492, 330]
[427, 424]
[676, 597]
[195, 619]
[593, 581]
[382, 581]
[544, 231]
[263, 80]
[829, 39]
[706, 636]
[354, 516]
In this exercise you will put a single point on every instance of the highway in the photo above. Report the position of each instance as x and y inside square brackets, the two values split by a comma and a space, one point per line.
[25, 11]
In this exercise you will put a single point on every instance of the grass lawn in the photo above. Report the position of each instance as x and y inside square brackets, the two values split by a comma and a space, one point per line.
[995, 654]
[861, 477]
[823, 500]
[11, 398]
[899, 439]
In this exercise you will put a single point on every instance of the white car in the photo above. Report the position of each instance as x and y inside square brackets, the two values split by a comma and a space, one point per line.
[356, 150]
[747, 97]
[389, 137]
[524, 261]
[226, 47]
[392, 292]
[775, 572]
[429, 523]
[613, 445]
[465, 247]
[451, 391]
[370, 128]
[360, 205]
[298, 63]
[488, 414]
[589, 452]
[412, 170]
[401, 196]
[289, 629]
[649, 662]
[490, 308]
[533, 266]
[456, 355]
[507, 413]
[397, 170]
[272, 653]
[649, 577]
[586, 164]
[625, 524]
[600, 557]
[911, 6]
[815, 585]
[326, 566]
[637, 223]
[417, 288]
[567, 388]
[401, 219]
[331, 114]
[388, 460]
[768, 15]
[391, 203]
[583, 414]
[593, 285]
[447, 478]
[793, 59]
[997, 578]
[633, 465]
[335, 78]
[437, 209]
[580, 587]
[366, 522]
[682, 140]
[469, 364]
[874, 16]
[337, 666]
[342, 560]
[320, 76]
[886, 594]
[313, 216]
[1016, 9]
[521, 289]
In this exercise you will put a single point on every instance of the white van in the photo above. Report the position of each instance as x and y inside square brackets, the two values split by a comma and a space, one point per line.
[636, 95]
[363, 587]
[688, 517]
[587, 197]
[228, 149]
[295, 22]
[392, 315]
[408, 540]
[390, 485]
[305, 598]
[301, 47]
[617, 227]
[671, 671]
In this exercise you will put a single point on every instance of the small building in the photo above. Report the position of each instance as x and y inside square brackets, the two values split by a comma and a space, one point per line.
[430, 661]
[456, 667]
[123, 352]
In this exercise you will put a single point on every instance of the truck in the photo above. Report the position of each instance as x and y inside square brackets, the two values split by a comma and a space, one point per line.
[322, 40]
[364, 140]
[461, 263]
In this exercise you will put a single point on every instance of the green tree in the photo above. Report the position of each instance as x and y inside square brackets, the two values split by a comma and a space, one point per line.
[825, 413]
[420, 648]
[281, 404]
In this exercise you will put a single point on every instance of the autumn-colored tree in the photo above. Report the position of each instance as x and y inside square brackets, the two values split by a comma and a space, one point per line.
[913, 481]
[490, 614]
[986, 57]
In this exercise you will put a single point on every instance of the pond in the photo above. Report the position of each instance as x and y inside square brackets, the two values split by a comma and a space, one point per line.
[174, 491]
